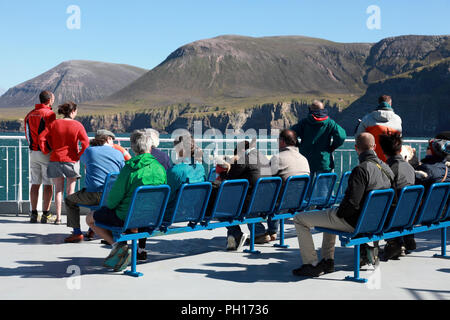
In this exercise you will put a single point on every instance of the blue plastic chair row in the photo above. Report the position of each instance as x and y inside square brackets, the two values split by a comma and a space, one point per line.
[148, 210]
[414, 213]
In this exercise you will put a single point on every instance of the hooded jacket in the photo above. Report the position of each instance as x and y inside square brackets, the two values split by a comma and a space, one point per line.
[316, 135]
[141, 170]
[381, 121]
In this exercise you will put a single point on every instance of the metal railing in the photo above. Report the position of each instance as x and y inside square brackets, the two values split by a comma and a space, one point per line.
[15, 168]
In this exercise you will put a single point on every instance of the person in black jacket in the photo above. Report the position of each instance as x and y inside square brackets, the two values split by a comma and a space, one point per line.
[404, 175]
[370, 174]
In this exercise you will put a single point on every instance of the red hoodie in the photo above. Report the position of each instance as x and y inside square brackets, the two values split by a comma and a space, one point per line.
[37, 121]
[62, 137]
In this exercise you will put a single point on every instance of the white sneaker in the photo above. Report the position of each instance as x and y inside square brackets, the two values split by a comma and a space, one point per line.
[244, 238]
[231, 243]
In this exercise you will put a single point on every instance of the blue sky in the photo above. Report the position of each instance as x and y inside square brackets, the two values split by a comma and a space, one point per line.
[35, 38]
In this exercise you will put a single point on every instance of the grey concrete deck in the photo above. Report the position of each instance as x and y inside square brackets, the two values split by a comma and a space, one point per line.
[195, 266]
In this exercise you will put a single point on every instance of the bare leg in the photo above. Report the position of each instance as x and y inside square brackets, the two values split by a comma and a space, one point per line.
[59, 188]
[70, 186]
[47, 197]
[102, 233]
[34, 195]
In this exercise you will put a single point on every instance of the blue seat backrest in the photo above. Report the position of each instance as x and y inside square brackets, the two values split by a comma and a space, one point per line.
[322, 190]
[109, 183]
[191, 203]
[264, 197]
[147, 207]
[212, 175]
[294, 193]
[405, 211]
[340, 193]
[434, 204]
[374, 212]
[446, 215]
[230, 199]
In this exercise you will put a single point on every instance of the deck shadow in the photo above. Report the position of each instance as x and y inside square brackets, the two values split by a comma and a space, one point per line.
[55, 269]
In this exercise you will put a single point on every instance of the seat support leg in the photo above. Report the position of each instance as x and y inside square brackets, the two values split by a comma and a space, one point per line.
[443, 245]
[133, 272]
[281, 244]
[356, 266]
[252, 241]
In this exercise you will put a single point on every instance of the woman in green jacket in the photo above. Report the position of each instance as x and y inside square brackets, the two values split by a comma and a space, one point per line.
[141, 170]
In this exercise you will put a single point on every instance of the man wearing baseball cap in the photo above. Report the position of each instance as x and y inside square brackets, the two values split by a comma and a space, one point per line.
[100, 159]
[107, 133]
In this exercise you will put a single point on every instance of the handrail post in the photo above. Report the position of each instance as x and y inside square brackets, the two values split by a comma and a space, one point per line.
[19, 191]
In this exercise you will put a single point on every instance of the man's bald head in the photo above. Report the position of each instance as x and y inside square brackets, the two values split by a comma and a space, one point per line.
[317, 105]
[365, 142]
[289, 137]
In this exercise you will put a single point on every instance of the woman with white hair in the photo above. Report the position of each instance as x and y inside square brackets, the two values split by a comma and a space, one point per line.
[161, 156]
[141, 170]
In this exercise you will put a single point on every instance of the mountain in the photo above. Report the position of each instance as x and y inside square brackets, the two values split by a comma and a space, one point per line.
[75, 80]
[226, 69]
[243, 82]
[421, 97]
[2, 91]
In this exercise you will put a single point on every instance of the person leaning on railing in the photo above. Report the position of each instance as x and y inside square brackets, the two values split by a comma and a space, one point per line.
[141, 170]
[61, 138]
[320, 137]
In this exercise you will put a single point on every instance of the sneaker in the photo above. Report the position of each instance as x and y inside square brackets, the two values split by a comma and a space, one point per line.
[89, 236]
[327, 265]
[372, 255]
[242, 241]
[141, 255]
[308, 270]
[116, 254]
[34, 218]
[262, 239]
[124, 262]
[410, 245]
[47, 218]
[231, 243]
[392, 251]
[74, 238]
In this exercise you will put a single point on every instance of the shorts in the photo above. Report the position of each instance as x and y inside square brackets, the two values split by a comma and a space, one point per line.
[38, 168]
[108, 217]
[63, 170]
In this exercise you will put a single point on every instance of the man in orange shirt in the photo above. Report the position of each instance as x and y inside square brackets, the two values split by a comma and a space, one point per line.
[35, 122]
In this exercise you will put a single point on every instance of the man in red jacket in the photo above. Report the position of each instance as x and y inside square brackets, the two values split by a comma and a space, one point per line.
[35, 122]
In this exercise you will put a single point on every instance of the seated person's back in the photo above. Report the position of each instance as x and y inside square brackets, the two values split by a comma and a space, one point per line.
[189, 168]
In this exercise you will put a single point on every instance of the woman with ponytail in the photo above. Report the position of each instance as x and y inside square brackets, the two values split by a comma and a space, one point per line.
[62, 139]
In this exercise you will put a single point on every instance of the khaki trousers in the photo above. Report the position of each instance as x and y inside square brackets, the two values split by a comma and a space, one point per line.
[325, 219]
[73, 210]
